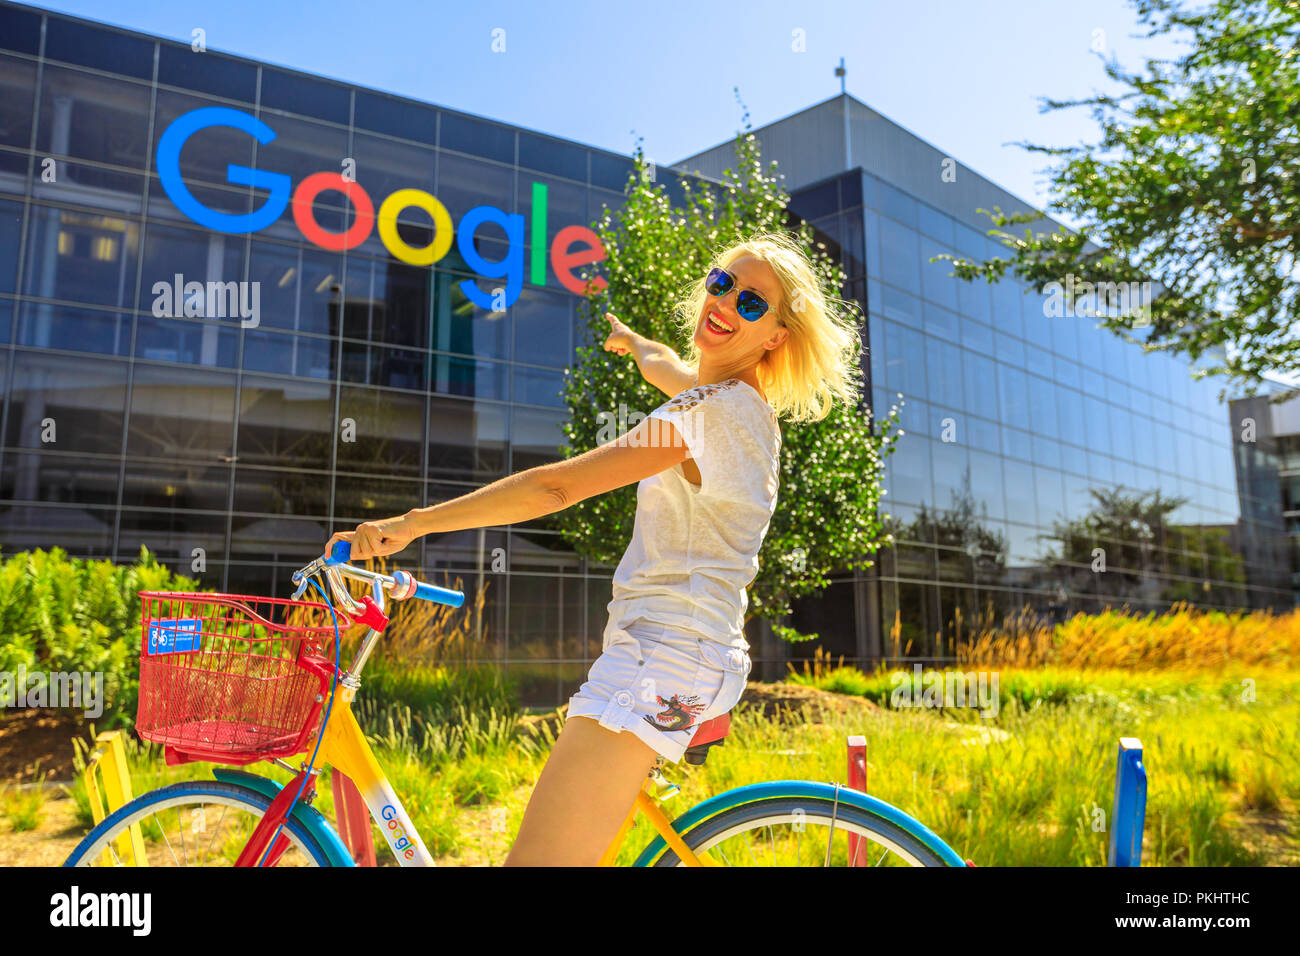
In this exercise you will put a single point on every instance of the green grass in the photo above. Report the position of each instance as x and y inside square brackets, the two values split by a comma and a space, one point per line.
[1031, 787]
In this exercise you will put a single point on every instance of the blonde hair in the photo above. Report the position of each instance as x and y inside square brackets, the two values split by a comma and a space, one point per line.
[819, 360]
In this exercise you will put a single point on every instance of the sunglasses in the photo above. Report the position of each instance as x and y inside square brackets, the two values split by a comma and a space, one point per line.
[750, 305]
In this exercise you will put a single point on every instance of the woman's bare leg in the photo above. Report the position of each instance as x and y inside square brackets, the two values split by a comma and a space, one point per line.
[583, 796]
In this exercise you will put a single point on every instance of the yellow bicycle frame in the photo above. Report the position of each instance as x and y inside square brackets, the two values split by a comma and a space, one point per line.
[344, 747]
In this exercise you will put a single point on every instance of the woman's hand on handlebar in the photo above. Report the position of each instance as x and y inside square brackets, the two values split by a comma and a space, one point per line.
[374, 539]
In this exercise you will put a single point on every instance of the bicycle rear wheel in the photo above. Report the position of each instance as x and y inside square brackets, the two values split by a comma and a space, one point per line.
[197, 823]
[801, 831]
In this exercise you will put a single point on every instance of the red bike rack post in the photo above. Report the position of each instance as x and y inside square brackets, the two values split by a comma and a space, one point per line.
[353, 819]
[857, 779]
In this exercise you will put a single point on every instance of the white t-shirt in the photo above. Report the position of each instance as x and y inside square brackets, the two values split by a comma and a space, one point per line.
[694, 548]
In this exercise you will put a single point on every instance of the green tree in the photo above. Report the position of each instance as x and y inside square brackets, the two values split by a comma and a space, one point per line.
[826, 519]
[1193, 184]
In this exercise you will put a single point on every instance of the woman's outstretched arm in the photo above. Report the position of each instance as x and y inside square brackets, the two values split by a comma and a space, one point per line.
[649, 448]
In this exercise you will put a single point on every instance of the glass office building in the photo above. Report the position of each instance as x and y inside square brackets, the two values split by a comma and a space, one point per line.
[370, 382]
[1046, 463]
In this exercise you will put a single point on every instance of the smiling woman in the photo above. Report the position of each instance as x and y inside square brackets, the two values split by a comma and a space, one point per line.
[765, 343]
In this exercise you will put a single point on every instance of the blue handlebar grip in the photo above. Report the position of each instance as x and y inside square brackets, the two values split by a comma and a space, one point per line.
[340, 553]
[431, 592]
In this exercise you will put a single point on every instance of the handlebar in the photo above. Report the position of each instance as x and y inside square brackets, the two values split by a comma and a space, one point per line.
[399, 585]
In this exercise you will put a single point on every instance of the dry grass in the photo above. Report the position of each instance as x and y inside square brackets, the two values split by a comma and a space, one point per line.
[419, 632]
[1182, 638]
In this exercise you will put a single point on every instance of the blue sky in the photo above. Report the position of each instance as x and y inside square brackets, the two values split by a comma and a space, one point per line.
[963, 76]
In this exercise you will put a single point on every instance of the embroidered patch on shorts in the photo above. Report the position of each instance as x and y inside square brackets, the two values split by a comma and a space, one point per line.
[678, 714]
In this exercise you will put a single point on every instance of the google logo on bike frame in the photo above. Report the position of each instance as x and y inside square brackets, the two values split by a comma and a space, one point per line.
[572, 246]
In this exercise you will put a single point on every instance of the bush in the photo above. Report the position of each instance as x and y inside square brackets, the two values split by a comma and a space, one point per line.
[76, 614]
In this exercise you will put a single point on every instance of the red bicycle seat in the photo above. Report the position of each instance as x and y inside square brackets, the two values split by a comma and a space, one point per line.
[711, 731]
[708, 734]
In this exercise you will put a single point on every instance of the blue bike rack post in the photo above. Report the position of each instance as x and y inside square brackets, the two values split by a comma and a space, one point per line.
[1128, 813]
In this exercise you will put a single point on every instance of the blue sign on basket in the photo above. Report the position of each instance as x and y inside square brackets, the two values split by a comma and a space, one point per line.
[174, 635]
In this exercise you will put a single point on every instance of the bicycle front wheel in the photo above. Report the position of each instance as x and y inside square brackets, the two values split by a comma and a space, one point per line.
[802, 831]
[197, 823]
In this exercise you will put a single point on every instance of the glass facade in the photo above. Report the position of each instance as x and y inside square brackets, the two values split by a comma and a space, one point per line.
[370, 384]
[367, 386]
[1045, 462]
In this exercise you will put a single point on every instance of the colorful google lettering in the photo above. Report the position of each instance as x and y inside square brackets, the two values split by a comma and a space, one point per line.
[397, 832]
[573, 246]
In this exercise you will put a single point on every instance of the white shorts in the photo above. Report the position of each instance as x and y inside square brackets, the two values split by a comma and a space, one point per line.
[661, 683]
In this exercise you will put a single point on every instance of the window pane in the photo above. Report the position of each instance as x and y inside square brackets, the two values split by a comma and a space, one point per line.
[383, 166]
[386, 433]
[535, 437]
[936, 283]
[909, 471]
[609, 171]
[392, 368]
[941, 322]
[468, 135]
[388, 302]
[535, 386]
[905, 368]
[900, 255]
[75, 330]
[206, 72]
[20, 30]
[67, 404]
[464, 183]
[167, 488]
[395, 117]
[106, 50]
[307, 96]
[467, 438]
[181, 414]
[281, 354]
[370, 498]
[17, 94]
[11, 228]
[92, 117]
[981, 385]
[286, 424]
[543, 326]
[82, 257]
[60, 477]
[472, 378]
[1014, 396]
[268, 491]
[552, 156]
[186, 341]
[944, 371]
[461, 326]
[986, 483]
[974, 300]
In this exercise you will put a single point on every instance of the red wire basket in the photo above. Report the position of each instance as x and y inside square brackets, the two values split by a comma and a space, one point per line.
[227, 679]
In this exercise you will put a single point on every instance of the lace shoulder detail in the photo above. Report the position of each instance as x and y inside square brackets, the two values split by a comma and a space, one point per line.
[688, 399]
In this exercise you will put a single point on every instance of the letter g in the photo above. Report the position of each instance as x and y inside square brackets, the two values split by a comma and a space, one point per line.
[169, 171]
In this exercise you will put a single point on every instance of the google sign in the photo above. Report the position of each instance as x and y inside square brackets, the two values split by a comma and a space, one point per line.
[573, 246]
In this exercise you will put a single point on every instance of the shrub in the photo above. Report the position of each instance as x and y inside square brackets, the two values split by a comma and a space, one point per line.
[76, 614]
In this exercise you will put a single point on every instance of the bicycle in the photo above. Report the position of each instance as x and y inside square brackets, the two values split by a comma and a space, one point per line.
[223, 681]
